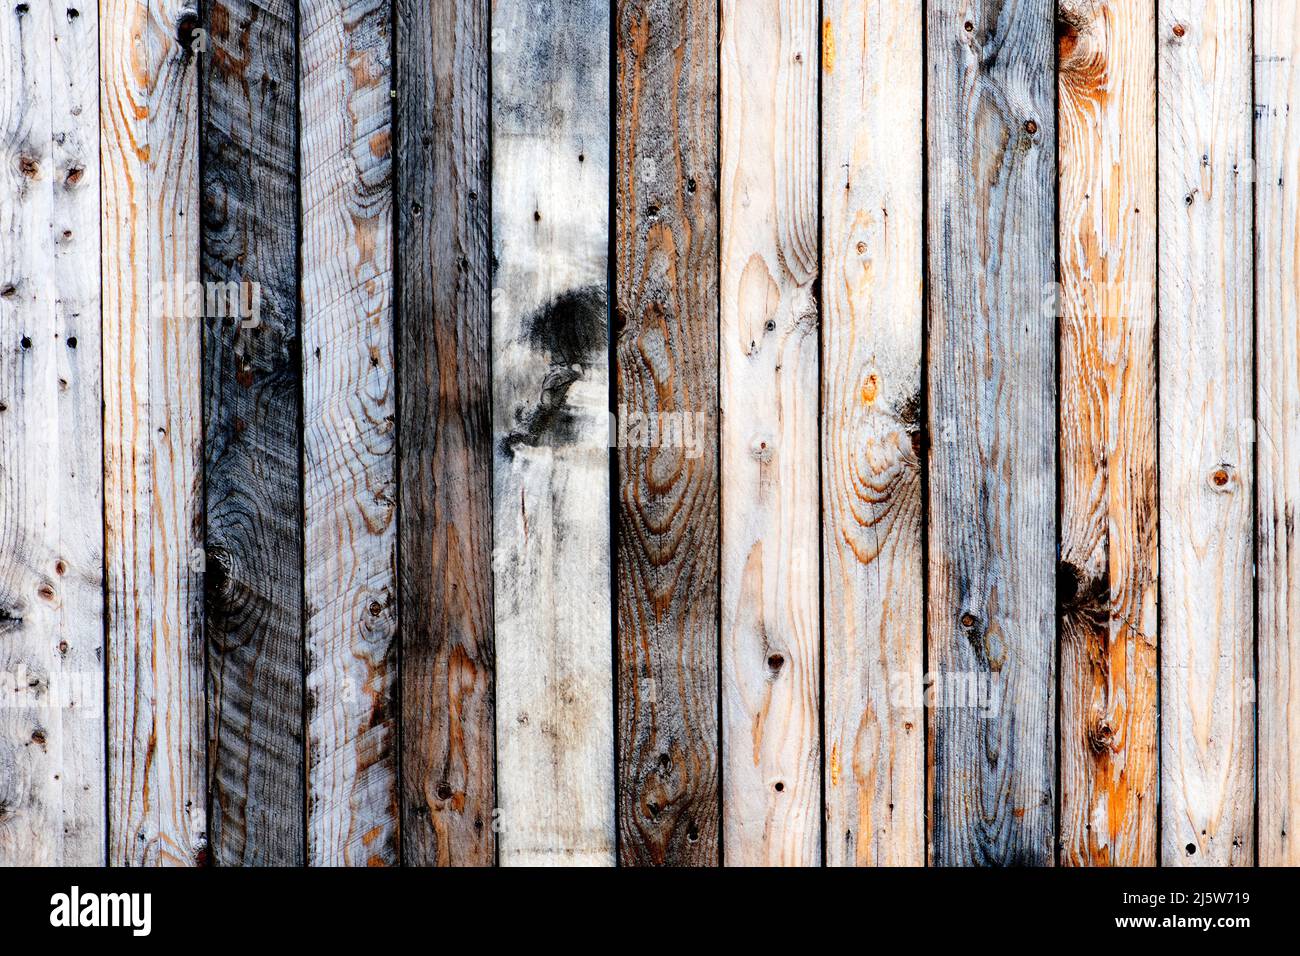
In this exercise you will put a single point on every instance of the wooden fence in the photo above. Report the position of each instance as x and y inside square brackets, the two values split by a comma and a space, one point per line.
[659, 431]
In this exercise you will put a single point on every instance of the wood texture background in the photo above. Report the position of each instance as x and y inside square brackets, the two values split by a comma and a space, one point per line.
[992, 462]
[1106, 584]
[669, 432]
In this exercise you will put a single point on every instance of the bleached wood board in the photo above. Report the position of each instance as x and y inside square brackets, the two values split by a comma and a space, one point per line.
[872, 97]
[1277, 354]
[667, 243]
[1207, 729]
[992, 390]
[1107, 582]
[771, 647]
[51, 559]
[550, 195]
[444, 361]
[153, 458]
[350, 428]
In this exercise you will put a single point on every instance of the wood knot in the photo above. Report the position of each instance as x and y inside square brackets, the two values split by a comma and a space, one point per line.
[1179, 30]
[29, 167]
[1223, 479]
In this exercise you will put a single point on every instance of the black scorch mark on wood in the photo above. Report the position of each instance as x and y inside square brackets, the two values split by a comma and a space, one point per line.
[569, 331]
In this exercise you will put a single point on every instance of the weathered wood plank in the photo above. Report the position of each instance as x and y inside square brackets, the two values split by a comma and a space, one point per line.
[550, 195]
[667, 308]
[51, 559]
[872, 169]
[253, 449]
[349, 417]
[770, 592]
[1206, 470]
[444, 362]
[152, 433]
[1277, 354]
[992, 380]
[1109, 490]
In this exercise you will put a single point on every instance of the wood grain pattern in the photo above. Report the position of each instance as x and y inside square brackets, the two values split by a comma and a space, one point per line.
[667, 242]
[872, 97]
[444, 356]
[1277, 354]
[153, 456]
[253, 456]
[992, 380]
[349, 425]
[550, 194]
[51, 560]
[770, 631]
[1107, 582]
[1207, 734]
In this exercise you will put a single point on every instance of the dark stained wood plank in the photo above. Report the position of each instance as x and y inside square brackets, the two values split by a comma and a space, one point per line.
[444, 370]
[667, 321]
[1109, 491]
[992, 383]
[253, 449]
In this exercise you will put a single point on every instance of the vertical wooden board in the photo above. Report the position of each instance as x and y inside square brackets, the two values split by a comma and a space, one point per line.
[872, 170]
[444, 367]
[1109, 491]
[349, 415]
[251, 370]
[51, 570]
[550, 195]
[152, 433]
[667, 309]
[771, 650]
[1207, 733]
[992, 379]
[1277, 352]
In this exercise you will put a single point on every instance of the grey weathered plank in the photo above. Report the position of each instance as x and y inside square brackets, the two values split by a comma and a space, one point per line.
[1277, 354]
[1207, 700]
[349, 422]
[550, 194]
[1109, 489]
[873, 91]
[253, 453]
[153, 456]
[771, 646]
[444, 342]
[667, 308]
[51, 565]
[992, 380]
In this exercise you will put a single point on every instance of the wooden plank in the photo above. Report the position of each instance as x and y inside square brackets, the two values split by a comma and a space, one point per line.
[349, 416]
[152, 433]
[667, 324]
[1207, 735]
[51, 559]
[1277, 354]
[992, 379]
[253, 457]
[550, 195]
[444, 358]
[1109, 492]
[872, 170]
[770, 578]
